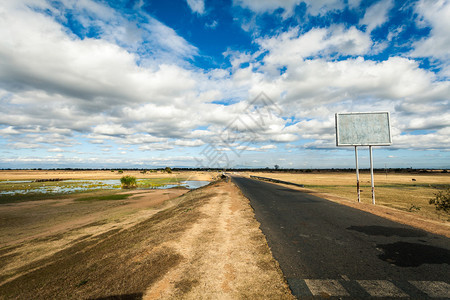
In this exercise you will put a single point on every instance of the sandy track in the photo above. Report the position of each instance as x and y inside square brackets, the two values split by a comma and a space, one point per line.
[225, 256]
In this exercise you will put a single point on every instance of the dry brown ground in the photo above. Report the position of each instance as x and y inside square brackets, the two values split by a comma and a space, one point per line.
[437, 223]
[204, 244]
[225, 256]
[36, 230]
[99, 174]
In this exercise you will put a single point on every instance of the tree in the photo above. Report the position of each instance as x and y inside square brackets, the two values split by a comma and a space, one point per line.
[168, 170]
[442, 200]
[276, 167]
[128, 182]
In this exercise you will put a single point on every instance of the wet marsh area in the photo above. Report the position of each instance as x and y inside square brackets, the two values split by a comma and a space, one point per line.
[27, 190]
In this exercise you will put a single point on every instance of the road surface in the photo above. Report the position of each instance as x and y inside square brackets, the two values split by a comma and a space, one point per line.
[330, 250]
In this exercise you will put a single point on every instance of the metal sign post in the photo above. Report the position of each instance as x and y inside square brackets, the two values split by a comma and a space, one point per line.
[371, 175]
[357, 174]
[363, 129]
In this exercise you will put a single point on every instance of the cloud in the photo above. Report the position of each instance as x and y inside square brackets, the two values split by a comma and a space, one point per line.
[24, 145]
[436, 15]
[212, 25]
[10, 130]
[56, 150]
[134, 84]
[438, 140]
[291, 47]
[314, 7]
[189, 143]
[376, 15]
[155, 147]
[111, 129]
[262, 6]
[268, 147]
[313, 85]
[94, 73]
[322, 7]
[197, 6]
[54, 80]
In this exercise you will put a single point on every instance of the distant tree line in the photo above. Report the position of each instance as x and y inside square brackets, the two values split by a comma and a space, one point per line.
[276, 168]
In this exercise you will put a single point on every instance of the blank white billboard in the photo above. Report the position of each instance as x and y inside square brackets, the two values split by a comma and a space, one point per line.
[363, 129]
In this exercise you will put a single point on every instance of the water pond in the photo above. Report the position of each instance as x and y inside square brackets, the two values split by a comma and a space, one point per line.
[21, 187]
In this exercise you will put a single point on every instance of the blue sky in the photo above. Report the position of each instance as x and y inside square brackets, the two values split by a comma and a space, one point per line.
[242, 83]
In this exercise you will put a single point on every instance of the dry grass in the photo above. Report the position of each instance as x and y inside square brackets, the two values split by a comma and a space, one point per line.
[397, 191]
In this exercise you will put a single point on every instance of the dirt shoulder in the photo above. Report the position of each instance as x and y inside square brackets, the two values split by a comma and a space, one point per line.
[204, 244]
[225, 255]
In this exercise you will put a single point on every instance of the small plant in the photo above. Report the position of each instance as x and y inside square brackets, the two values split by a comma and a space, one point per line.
[413, 208]
[120, 171]
[128, 182]
[168, 170]
[82, 282]
[442, 200]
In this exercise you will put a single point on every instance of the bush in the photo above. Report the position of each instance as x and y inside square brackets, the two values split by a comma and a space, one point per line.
[120, 171]
[128, 182]
[168, 170]
[442, 200]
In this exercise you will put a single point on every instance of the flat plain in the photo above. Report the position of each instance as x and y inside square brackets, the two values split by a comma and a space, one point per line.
[135, 243]
[171, 243]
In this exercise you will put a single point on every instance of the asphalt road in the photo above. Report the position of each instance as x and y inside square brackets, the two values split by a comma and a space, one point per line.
[330, 250]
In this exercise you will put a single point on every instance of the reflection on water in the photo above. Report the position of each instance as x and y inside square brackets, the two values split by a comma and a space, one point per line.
[194, 184]
[71, 186]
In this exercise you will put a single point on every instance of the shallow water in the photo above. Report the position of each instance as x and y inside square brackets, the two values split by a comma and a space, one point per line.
[72, 186]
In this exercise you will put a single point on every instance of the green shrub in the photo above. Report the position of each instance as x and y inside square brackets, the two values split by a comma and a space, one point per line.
[128, 182]
[168, 170]
[120, 171]
[442, 200]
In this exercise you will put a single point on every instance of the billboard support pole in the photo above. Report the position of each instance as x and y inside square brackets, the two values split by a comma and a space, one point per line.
[363, 129]
[371, 175]
[357, 174]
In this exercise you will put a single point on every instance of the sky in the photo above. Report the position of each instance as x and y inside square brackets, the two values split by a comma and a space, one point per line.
[228, 83]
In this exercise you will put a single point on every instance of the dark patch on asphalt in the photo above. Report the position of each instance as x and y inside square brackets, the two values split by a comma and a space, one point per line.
[388, 231]
[289, 190]
[404, 254]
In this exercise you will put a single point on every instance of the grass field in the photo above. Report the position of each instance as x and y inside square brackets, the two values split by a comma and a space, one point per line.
[407, 191]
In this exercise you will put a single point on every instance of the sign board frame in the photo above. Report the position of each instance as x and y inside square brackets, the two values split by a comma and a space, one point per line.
[363, 129]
